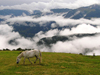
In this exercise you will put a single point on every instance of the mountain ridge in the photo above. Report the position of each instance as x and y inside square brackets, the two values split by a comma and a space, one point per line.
[29, 31]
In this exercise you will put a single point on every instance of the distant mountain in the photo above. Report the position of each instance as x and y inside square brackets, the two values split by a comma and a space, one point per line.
[29, 29]
[88, 12]
[60, 10]
[94, 6]
[13, 12]
[82, 12]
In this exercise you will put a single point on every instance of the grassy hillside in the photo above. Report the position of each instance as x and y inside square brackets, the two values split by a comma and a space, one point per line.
[52, 64]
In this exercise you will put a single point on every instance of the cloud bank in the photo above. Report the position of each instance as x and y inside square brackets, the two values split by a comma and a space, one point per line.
[47, 5]
[78, 45]
[7, 34]
[60, 20]
[85, 45]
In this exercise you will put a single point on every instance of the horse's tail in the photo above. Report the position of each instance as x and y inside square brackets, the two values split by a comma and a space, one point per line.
[40, 56]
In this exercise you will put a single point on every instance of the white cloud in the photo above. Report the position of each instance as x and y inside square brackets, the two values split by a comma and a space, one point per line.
[60, 20]
[77, 45]
[42, 34]
[96, 52]
[5, 17]
[46, 5]
[53, 25]
[20, 19]
[81, 29]
[79, 3]
[7, 34]
[74, 46]
[16, 2]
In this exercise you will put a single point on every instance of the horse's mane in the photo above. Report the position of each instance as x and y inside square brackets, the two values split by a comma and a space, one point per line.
[20, 55]
[20, 52]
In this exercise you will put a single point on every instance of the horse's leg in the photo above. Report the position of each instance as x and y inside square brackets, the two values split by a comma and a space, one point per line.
[24, 60]
[29, 61]
[39, 60]
[36, 59]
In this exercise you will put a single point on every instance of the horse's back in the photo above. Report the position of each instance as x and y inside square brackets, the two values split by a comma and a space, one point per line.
[31, 53]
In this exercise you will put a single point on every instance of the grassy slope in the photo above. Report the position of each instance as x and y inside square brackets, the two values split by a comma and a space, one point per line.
[52, 64]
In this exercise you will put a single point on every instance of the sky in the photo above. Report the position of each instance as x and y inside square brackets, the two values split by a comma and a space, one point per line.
[45, 4]
[18, 2]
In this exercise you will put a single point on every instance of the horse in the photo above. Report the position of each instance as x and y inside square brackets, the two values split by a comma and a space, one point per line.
[30, 54]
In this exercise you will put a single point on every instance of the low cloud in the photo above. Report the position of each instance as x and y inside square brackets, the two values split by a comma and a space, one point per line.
[5, 17]
[81, 29]
[46, 5]
[77, 45]
[86, 45]
[60, 20]
[7, 34]
[13, 40]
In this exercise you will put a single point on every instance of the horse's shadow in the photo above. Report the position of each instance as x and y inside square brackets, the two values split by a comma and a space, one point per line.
[31, 64]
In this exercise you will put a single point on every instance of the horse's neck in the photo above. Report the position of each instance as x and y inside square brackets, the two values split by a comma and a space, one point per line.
[20, 55]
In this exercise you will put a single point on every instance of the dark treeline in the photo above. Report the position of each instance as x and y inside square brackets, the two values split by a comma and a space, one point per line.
[52, 40]
[18, 49]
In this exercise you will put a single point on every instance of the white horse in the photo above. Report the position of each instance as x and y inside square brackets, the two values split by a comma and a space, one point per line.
[30, 54]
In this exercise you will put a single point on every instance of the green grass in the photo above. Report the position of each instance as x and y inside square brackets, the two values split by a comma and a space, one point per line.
[52, 64]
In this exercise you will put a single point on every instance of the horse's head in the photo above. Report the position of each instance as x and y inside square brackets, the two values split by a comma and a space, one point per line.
[18, 59]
